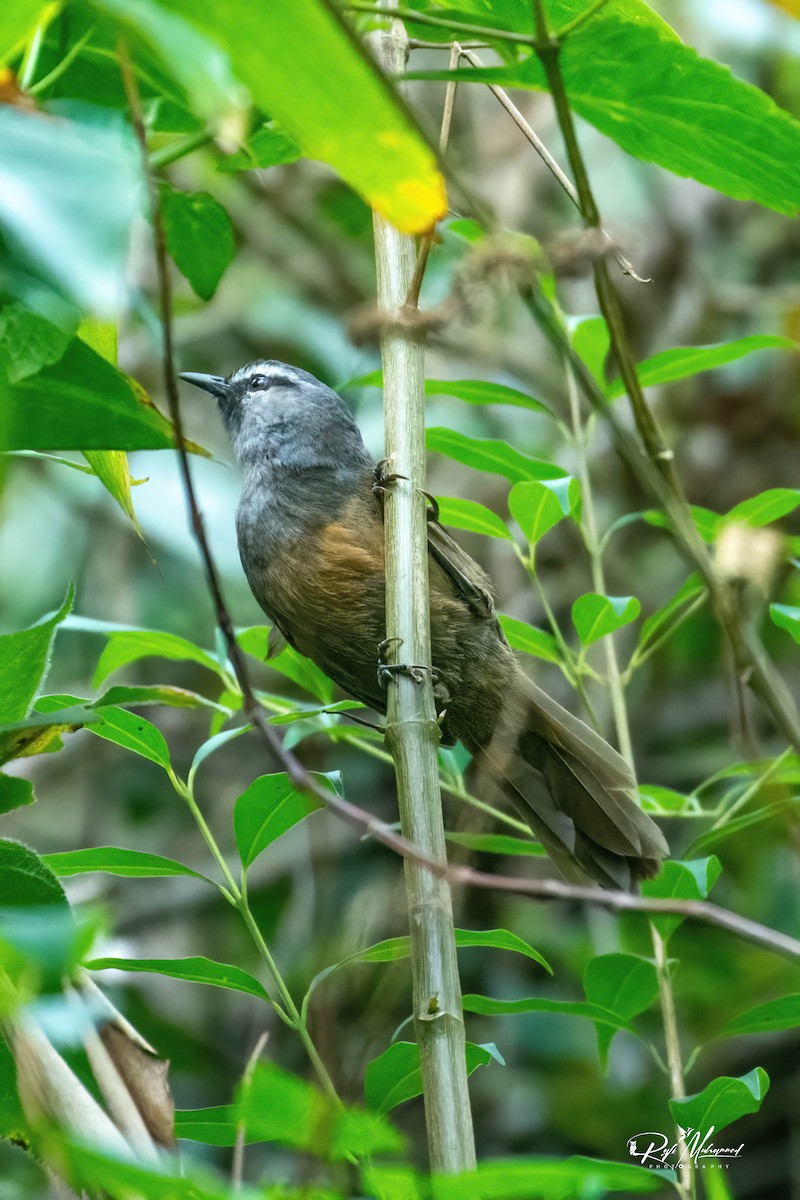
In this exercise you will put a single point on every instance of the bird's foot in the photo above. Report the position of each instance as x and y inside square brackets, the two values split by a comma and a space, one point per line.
[384, 478]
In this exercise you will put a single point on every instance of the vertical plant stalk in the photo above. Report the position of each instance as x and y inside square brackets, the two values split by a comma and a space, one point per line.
[412, 730]
[616, 691]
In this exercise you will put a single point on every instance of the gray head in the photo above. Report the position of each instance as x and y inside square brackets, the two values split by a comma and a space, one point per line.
[279, 414]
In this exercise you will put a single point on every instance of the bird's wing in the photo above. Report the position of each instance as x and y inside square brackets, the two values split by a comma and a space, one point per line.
[469, 581]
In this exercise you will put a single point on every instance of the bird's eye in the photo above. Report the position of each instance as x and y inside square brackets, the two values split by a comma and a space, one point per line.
[258, 382]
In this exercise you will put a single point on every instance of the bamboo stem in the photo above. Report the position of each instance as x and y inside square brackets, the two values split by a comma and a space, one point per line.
[412, 731]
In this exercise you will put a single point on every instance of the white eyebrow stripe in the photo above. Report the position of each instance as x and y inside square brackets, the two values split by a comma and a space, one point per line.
[270, 369]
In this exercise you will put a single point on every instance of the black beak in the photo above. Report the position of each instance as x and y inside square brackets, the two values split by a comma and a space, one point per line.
[215, 384]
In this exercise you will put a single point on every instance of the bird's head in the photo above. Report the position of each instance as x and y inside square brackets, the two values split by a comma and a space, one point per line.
[273, 409]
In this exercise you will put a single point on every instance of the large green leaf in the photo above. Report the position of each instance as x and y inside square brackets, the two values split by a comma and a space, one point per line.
[529, 639]
[538, 506]
[25, 880]
[24, 659]
[129, 645]
[395, 1076]
[192, 970]
[14, 793]
[301, 670]
[28, 341]
[199, 237]
[68, 195]
[114, 860]
[786, 616]
[80, 402]
[278, 1107]
[689, 880]
[783, 1013]
[17, 23]
[489, 454]
[478, 391]
[126, 729]
[472, 516]
[723, 1101]
[623, 984]
[270, 806]
[594, 616]
[41, 731]
[488, 1006]
[555, 1179]
[630, 75]
[765, 508]
[684, 361]
[322, 88]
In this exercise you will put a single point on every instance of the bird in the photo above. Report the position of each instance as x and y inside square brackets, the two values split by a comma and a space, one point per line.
[311, 541]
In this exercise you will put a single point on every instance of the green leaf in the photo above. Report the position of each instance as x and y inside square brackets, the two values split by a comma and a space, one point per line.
[69, 192]
[113, 860]
[395, 1076]
[539, 505]
[110, 466]
[684, 361]
[694, 117]
[786, 616]
[199, 237]
[24, 660]
[722, 1102]
[14, 793]
[706, 522]
[122, 1178]
[496, 843]
[215, 743]
[394, 949]
[470, 515]
[17, 23]
[270, 806]
[767, 507]
[41, 731]
[489, 1007]
[553, 1178]
[692, 587]
[623, 984]
[665, 800]
[25, 880]
[595, 616]
[591, 341]
[267, 147]
[500, 939]
[29, 342]
[348, 117]
[129, 645]
[488, 454]
[192, 970]
[782, 1013]
[278, 1107]
[215, 1126]
[689, 880]
[529, 639]
[476, 391]
[132, 732]
[164, 694]
[80, 403]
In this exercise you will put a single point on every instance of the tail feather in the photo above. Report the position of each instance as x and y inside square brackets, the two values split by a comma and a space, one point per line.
[577, 793]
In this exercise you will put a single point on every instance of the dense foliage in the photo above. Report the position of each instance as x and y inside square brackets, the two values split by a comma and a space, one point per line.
[672, 625]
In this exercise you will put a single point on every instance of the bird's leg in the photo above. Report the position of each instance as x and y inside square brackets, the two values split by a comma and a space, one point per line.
[384, 478]
[415, 671]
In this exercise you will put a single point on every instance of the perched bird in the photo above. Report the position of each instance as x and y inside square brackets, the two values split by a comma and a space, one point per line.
[311, 540]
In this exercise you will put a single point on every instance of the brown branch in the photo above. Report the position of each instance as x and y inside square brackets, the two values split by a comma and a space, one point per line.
[358, 818]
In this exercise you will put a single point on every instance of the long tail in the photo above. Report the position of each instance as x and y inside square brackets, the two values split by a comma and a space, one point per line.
[576, 792]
